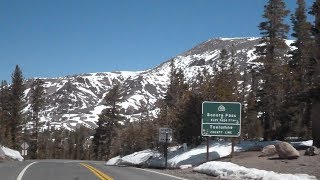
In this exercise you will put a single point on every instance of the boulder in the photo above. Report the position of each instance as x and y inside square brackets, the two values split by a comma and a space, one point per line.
[286, 151]
[311, 151]
[269, 150]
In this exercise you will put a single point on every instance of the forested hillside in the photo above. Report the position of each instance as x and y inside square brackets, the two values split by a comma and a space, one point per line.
[100, 115]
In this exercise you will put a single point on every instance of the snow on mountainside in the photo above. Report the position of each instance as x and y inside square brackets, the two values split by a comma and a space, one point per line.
[78, 99]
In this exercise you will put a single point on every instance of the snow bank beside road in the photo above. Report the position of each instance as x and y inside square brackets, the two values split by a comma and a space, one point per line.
[178, 157]
[114, 161]
[13, 154]
[138, 158]
[227, 170]
[197, 155]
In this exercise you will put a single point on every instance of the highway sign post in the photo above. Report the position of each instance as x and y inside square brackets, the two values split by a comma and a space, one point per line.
[24, 152]
[165, 136]
[24, 147]
[221, 119]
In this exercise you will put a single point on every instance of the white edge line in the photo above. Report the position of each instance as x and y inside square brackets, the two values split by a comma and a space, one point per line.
[24, 170]
[162, 173]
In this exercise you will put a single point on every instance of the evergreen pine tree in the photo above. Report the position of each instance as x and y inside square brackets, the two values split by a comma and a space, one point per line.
[272, 54]
[250, 116]
[37, 103]
[301, 69]
[187, 124]
[225, 80]
[16, 106]
[302, 54]
[107, 123]
[57, 144]
[316, 53]
[203, 86]
[176, 91]
[79, 137]
[314, 92]
[4, 114]
[176, 86]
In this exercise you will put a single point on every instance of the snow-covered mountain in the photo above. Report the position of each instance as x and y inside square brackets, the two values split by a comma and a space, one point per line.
[78, 99]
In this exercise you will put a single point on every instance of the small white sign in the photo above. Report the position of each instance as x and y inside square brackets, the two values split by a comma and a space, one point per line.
[25, 145]
[163, 133]
[24, 152]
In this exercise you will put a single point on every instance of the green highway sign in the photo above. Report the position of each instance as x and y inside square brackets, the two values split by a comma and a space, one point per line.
[221, 119]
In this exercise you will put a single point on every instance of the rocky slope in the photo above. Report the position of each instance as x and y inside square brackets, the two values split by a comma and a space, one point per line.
[78, 99]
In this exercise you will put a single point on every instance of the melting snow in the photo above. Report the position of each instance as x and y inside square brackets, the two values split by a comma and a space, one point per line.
[178, 158]
[13, 154]
[233, 171]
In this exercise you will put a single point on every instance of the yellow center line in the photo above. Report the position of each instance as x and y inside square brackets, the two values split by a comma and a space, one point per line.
[94, 172]
[99, 174]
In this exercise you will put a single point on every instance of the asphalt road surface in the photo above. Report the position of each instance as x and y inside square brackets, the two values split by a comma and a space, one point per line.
[75, 170]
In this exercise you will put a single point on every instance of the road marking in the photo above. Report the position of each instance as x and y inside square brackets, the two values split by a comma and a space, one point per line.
[162, 174]
[99, 174]
[24, 170]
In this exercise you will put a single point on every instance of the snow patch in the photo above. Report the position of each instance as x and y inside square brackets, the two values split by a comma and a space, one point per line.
[241, 38]
[13, 154]
[233, 171]
[178, 158]
[114, 161]
[138, 158]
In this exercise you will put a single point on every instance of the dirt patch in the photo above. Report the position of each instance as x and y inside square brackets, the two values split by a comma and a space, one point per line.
[303, 165]
[252, 159]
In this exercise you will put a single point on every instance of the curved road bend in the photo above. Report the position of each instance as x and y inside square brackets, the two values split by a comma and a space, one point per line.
[74, 170]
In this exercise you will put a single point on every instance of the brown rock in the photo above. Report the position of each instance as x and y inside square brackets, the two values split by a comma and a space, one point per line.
[269, 150]
[286, 151]
[311, 151]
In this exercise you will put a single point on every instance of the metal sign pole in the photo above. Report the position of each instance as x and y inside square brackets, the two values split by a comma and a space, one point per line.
[232, 147]
[166, 151]
[207, 148]
[165, 137]
[222, 119]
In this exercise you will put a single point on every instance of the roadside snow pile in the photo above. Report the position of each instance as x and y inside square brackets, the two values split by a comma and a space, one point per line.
[138, 158]
[114, 161]
[177, 157]
[302, 143]
[12, 154]
[197, 155]
[227, 170]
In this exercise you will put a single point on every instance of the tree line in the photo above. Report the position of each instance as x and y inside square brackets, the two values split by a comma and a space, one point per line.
[283, 99]
[20, 122]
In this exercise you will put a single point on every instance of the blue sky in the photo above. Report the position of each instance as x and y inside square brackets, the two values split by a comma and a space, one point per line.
[52, 38]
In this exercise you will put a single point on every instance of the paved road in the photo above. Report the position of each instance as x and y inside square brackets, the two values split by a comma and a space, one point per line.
[74, 170]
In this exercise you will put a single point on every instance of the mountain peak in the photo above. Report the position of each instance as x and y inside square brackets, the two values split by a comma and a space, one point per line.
[78, 99]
